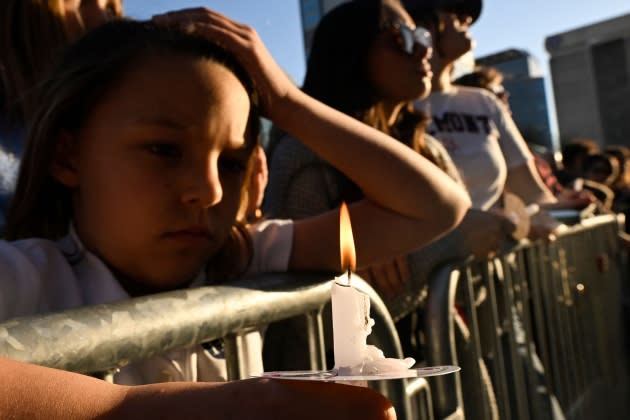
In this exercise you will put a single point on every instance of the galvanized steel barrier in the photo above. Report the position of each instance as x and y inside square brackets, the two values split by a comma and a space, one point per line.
[101, 338]
[547, 321]
[556, 303]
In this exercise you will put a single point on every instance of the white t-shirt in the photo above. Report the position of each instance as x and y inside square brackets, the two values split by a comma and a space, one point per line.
[39, 276]
[480, 136]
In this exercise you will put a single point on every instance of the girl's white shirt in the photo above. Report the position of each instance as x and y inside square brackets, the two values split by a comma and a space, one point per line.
[39, 276]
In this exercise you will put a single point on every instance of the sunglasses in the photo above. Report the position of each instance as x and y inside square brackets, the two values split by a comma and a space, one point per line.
[407, 38]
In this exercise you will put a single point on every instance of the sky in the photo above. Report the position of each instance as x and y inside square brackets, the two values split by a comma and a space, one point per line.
[503, 24]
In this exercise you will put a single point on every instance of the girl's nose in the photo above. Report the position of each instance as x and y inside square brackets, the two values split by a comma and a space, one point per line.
[205, 189]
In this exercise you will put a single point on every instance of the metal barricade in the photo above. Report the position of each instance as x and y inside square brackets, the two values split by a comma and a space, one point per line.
[546, 318]
[102, 338]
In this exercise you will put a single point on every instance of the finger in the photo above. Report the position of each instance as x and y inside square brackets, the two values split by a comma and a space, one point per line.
[198, 17]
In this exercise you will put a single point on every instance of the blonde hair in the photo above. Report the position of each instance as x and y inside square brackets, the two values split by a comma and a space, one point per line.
[32, 34]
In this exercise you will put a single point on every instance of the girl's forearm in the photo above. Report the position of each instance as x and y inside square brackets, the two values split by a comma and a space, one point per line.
[34, 392]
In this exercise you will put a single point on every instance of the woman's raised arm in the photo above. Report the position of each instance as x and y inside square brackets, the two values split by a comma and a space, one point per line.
[409, 201]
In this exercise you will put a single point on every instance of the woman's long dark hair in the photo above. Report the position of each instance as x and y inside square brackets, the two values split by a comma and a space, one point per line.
[338, 72]
[89, 69]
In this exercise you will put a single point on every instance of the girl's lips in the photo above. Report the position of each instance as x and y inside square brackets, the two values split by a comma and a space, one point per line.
[192, 234]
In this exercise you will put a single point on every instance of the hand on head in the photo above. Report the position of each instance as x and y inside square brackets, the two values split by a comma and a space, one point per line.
[272, 84]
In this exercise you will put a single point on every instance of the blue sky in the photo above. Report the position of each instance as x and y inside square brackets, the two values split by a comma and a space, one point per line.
[503, 24]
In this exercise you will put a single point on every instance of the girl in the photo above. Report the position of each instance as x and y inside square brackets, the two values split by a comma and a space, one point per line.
[131, 184]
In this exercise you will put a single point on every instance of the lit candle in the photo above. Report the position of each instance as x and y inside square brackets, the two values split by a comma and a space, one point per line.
[350, 308]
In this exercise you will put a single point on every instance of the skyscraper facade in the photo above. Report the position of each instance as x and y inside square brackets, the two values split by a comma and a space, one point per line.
[590, 68]
[524, 81]
[312, 11]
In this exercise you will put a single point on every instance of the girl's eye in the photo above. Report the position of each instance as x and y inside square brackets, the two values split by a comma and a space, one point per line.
[167, 150]
[231, 165]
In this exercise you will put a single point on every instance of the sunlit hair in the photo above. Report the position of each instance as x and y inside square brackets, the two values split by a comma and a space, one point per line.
[622, 153]
[483, 77]
[88, 70]
[32, 33]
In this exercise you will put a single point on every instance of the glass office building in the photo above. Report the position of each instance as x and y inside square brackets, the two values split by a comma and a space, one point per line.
[590, 68]
[528, 99]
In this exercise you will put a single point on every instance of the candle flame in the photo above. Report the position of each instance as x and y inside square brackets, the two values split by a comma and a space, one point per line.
[346, 241]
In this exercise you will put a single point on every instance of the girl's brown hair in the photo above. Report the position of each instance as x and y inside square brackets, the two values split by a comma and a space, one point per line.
[42, 206]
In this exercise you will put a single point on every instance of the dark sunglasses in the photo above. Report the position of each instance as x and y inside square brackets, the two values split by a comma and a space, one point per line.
[407, 38]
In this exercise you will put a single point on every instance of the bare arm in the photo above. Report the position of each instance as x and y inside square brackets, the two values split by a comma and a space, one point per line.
[35, 392]
[524, 181]
[409, 201]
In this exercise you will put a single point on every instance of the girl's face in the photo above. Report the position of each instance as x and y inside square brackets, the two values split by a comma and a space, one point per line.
[396, 75]
[157, 169]
[454, 38]
[85, 15]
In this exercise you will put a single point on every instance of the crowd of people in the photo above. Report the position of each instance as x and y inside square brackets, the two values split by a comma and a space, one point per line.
[131, 163]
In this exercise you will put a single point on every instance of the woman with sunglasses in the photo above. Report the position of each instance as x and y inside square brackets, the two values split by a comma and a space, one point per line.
[369, 60]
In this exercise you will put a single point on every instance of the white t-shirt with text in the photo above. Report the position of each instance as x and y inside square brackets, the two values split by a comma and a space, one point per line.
[480, 136]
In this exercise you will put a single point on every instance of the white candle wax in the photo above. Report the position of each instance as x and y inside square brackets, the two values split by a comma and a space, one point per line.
[351, 323]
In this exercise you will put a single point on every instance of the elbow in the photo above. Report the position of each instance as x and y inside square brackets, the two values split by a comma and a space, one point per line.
[455, 206]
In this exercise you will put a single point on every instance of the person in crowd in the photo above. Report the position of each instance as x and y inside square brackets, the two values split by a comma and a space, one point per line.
[621, 185]
[571, 172]
[488, 78]
[573, 155]
[131, 183]
[370, 70]
[481, 137]
[491, 79]
[474, 126]
[602, 168]
[34, 32]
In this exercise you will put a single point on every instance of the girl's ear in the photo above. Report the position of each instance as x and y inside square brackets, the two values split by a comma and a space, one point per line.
[64, 163]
